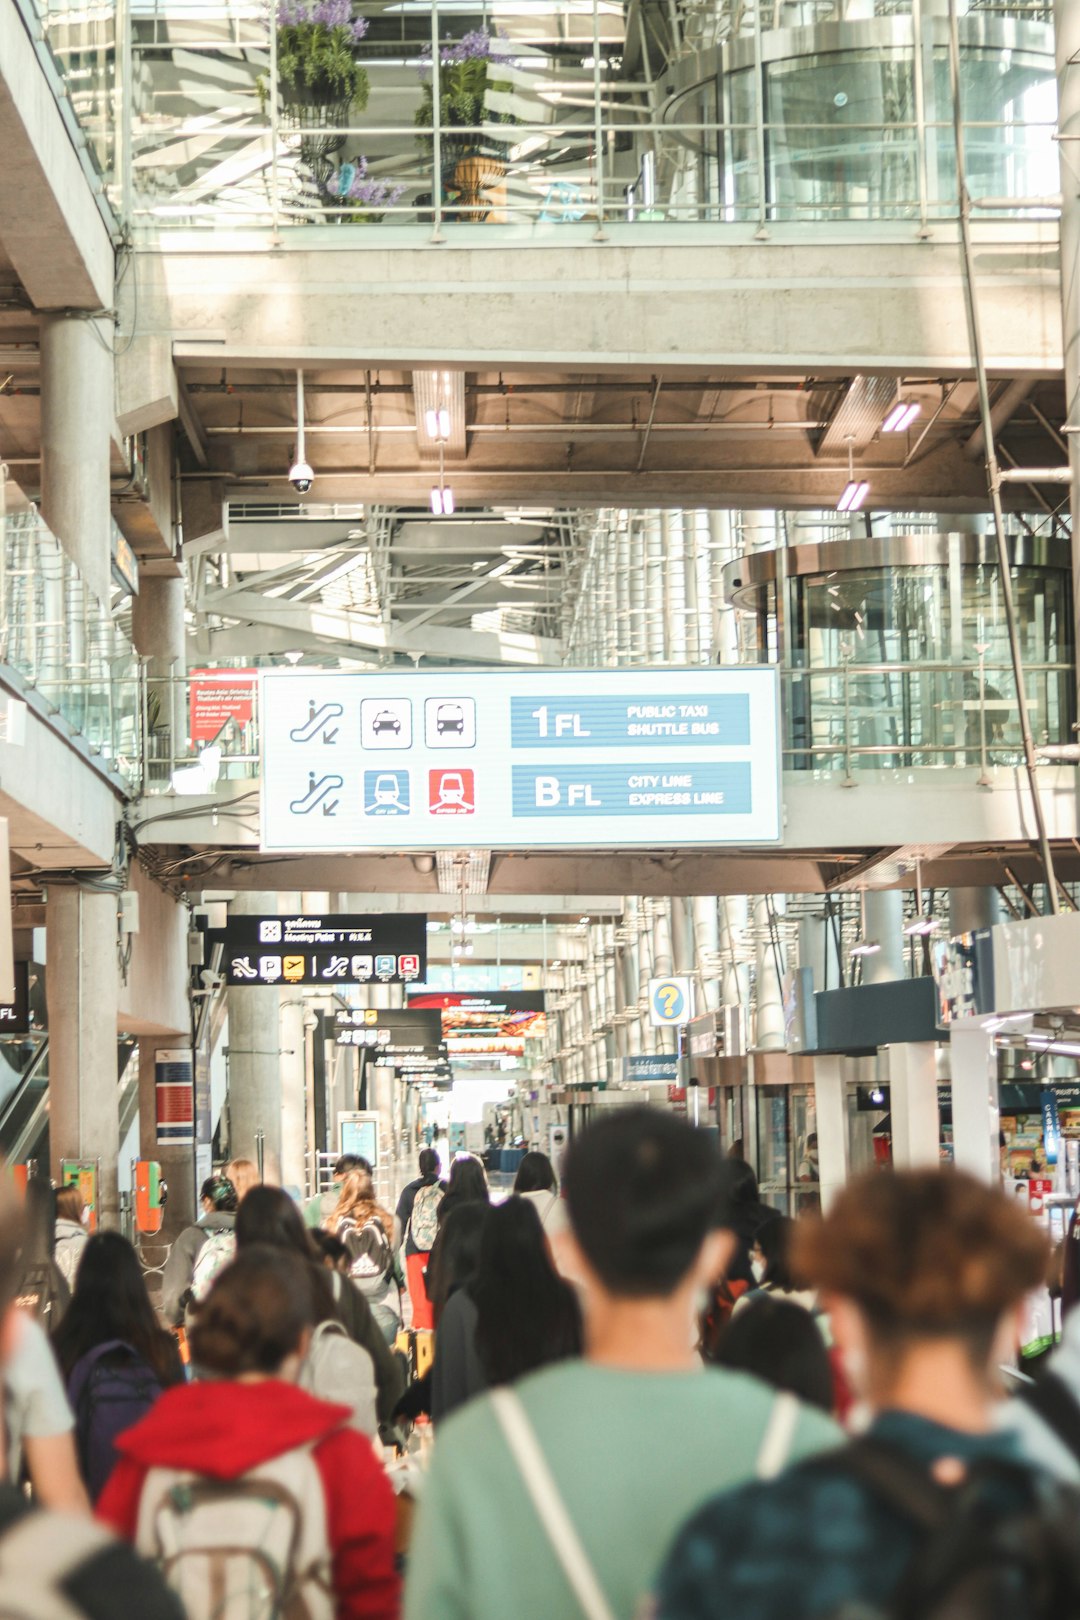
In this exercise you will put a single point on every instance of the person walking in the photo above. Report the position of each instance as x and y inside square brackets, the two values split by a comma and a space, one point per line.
[514, 1315]
[54, 1562]
[115, 1358]
[925, 1273]
[71, 1233]
[416, 1225]
[215, 1226]
[624, 1444]
[248, 1485]
[367, 1231]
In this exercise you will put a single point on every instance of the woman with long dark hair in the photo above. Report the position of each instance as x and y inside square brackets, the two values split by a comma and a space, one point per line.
[115, 1357]
[515, 1315]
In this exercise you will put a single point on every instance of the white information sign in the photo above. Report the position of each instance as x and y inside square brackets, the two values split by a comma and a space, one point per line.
[520, 759]
[671, 1002]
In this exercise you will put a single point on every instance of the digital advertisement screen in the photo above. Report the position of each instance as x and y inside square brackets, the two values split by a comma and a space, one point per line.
[506, 759]
[487, 1026]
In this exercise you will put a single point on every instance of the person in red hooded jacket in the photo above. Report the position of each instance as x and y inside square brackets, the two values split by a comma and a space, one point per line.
[249, 1418]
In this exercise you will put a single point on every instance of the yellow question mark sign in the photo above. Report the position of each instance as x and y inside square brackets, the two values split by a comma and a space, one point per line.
[669, 995]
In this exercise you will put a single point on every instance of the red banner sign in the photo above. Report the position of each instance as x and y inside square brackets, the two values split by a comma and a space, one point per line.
[218, 696]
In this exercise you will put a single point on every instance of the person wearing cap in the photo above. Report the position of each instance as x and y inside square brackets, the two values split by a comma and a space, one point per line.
[219, 1205]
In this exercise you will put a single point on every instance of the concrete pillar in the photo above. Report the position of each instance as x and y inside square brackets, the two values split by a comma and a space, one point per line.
[706, 922]
[255, 1057]
[885, 924]
[1067, 50]
[916, 1130]
[976, 1120]
[177, 1162]
[970, 909]
[770, 969]
[734, 916]
[830, 1108]
[76, 428]
[818, 950]
[293, 1072]
[159, 633]
[82, 982]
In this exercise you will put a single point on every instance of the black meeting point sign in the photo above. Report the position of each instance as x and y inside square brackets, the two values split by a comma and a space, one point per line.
[324, 951]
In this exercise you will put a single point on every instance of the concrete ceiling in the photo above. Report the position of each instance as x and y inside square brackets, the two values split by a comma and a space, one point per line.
[622, 436]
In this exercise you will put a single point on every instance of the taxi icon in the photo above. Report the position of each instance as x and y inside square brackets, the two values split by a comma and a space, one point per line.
[386, 720]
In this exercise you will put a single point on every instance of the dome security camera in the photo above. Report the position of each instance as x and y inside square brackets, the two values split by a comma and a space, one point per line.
[301, 477]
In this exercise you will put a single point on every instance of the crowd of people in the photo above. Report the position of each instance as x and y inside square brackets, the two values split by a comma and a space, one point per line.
[649, 1393]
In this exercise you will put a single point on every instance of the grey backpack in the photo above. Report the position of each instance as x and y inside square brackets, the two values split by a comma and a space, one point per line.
[335, 1369]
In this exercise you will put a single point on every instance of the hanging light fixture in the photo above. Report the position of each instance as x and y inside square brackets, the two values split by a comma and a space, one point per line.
[901, 416]
[856, 490]
[301, 476]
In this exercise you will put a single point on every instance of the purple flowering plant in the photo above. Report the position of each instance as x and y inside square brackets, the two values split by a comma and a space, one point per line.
[353, 184]
[316, 52]
[465, 76]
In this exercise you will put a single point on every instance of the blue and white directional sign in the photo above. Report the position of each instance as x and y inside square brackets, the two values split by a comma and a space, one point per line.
[513, 759]
[671, 1002]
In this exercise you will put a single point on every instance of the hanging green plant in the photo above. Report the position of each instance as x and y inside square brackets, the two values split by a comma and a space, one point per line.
[316, 55]
[465, 77]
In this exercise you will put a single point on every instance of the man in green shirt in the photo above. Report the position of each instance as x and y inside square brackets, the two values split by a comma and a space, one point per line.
[636, 1436]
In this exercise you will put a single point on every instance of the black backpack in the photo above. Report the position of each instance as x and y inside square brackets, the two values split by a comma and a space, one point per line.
[971, 1563]
[43, 1292]
[110, 1389]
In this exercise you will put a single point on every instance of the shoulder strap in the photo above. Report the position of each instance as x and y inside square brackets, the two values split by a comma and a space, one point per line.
[1051, 1398]
[550, 1507]
[906, 1485]
[779, 1433]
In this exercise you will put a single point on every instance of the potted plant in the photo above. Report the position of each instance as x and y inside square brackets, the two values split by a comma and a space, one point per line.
[365, 198]
[320, 79]
[472, 159]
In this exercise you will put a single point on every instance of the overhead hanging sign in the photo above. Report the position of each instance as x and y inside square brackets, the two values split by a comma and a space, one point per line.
[643, 1067]
[502, 759]
[487, 1026]
[305, 949]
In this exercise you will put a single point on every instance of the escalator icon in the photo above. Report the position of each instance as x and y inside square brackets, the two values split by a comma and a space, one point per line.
[318, 716]
[318, 790]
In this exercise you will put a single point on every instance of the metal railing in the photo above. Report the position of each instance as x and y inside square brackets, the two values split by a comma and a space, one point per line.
[856, 717]
[64, 644]
[554, 133]
[849, 717]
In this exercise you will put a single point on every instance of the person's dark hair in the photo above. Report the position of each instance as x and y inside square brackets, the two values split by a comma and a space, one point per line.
[268, 1218]
[349, 1162]
[69, 1203]
[110, 1301]
[527, 1316]
[454, 1258]
[467, 1183]
[331, 1248]
[268, 1215]
[255, 1315]
[773, 1238]
[429, 1162]
[742, 1183]
[781, 1344]
[643, 1190]
[535, 1174]
[924, 1254]
[219, 1191]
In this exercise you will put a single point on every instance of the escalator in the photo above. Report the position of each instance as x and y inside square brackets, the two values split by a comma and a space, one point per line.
[24, 1096]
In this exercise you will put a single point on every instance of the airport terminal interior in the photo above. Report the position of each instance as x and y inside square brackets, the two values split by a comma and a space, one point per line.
[539, 570]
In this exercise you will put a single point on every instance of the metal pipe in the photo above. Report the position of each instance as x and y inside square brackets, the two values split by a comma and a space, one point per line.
[992, 468]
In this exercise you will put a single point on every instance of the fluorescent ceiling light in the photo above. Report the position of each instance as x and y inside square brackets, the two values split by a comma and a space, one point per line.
[901, 416]
[922, 926]
[865, 947]
[442, 500]
[853, 497]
